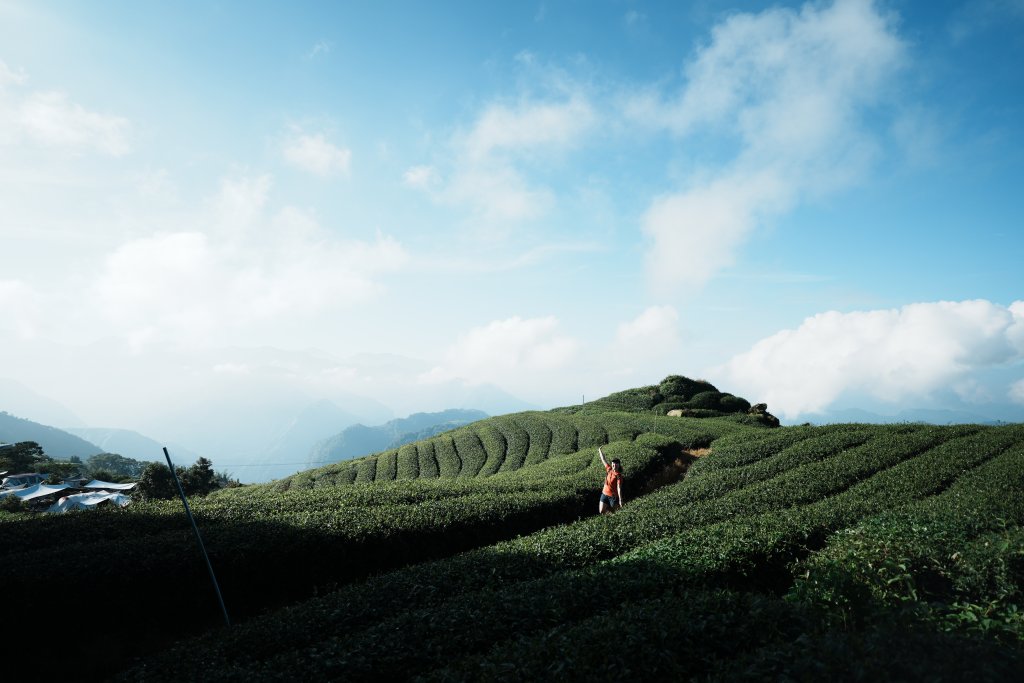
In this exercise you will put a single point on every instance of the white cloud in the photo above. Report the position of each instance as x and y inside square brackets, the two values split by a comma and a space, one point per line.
[51, 119]
[232, 369]
[888, 354]
[509, 352]
[791, 88]
[20, 308]
[315, 154]
[1016, 392]
[9, 77]
[421, 177]
[497, 194]
[971, 391]
[489, 160]
[697, 233]
[157, 185]
[249, 270]
[240, 202]
[526, 128]
[653, 332]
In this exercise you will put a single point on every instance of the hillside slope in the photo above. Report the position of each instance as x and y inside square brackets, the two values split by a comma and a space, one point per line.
[846, 552]
[55, 443]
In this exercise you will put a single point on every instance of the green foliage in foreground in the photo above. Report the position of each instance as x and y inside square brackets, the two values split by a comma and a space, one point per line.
[271, 547]
[704, 578]
[849, 552]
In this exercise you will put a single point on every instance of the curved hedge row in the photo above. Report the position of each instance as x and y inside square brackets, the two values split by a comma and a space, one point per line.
[458, 612]
[270, 547]
[498, 445]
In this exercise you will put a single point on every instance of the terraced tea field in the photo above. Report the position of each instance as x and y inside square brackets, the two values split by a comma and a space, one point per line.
[847, 551]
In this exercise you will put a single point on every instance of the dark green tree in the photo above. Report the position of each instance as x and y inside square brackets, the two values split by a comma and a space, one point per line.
[103, 475]
[199, 479]
[118, 465]
[25, 456]
[59, 471]
[155, 482]
[226, 480]
[196, 480]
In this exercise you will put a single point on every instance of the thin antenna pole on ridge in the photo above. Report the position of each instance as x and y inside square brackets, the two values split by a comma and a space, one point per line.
[199, 539]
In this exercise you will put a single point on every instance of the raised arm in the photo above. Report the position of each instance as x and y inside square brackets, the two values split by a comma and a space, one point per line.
[601, 453]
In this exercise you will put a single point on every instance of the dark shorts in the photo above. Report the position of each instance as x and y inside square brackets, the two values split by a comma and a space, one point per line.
[610, 501]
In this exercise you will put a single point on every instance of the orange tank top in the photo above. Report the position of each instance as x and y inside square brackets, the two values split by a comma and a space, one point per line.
[611, 482]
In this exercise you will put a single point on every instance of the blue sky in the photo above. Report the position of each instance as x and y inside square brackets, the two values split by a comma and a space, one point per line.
[812, 204]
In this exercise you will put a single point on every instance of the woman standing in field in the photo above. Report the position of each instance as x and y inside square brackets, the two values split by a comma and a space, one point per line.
[611, 494]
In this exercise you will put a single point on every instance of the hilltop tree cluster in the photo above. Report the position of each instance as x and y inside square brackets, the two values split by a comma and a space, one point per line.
[685, 397]
[198, 479]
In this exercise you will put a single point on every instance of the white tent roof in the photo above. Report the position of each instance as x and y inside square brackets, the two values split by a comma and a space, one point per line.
[97, 484]
[39, 490]
[88, 501]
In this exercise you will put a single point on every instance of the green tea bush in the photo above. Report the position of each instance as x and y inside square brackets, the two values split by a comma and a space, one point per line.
[742, 448]
[949, 557]
[492, 449]
[450, 615]
[540, 437]
[733, 404]
[707, 400]
[448, 463]
[428, 468]
[679, 388]
[517, 442]
[387, 466]
[366, 470]
[564, 437]
[408, 462]
[664, 408]
[642, 398]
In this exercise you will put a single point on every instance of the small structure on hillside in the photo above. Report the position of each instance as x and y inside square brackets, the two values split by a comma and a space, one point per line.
[88, 501]
[75, 494]
[109, 486]
[28, 493]
[25, 479]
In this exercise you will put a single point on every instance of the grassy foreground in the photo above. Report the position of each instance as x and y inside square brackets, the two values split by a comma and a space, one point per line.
[848, 551]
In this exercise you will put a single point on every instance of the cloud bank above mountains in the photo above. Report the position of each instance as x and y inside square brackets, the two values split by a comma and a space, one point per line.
[892, 355]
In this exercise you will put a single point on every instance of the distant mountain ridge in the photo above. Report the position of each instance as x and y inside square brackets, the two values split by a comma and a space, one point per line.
[936, 416]
[56, 443]
[359, 440]
[130, 444]
[286, 452]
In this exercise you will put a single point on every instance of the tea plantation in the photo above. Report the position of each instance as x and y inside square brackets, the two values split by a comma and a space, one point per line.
[852, 552]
